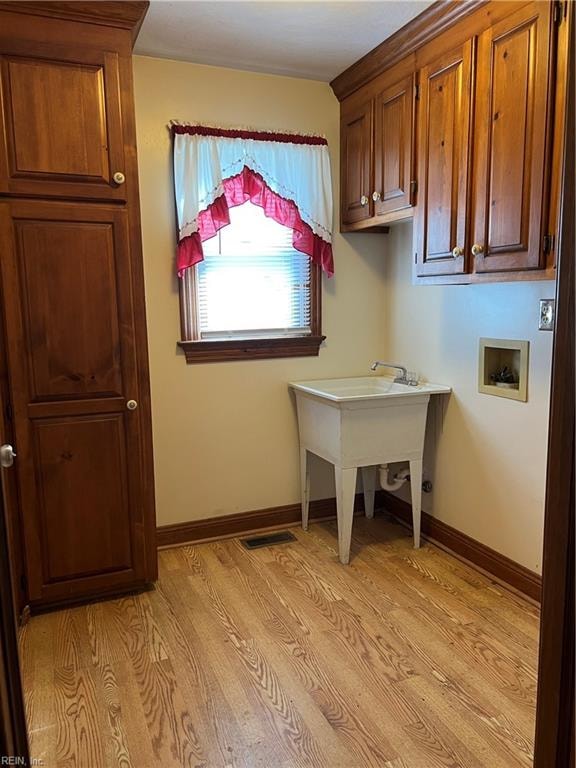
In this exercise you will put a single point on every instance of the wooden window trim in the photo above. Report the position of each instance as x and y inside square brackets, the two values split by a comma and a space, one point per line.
[210, 351]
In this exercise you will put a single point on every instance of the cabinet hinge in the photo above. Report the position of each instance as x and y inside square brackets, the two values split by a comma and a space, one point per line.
[8, 412]
[417, 91]
[413, 187]
[548, 243]
[560, 9]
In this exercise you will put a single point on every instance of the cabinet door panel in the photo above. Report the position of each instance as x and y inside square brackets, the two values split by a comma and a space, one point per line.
[74, 345]
[84, 504]
[356, 137]
[510, 144]
[63, 137]
[62, 125]
[393, 144]
[443, 163]
[68, 297]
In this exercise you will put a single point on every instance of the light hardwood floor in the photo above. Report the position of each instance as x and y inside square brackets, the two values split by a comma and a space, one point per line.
[283, 658]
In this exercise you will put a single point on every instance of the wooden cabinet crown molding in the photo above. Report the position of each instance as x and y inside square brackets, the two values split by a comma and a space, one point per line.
[110, 13]
[425, 27]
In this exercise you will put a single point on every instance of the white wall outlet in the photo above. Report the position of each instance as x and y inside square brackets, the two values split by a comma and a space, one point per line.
[547, 314]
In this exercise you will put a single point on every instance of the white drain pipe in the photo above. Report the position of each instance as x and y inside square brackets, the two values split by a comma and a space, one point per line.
[398, 480]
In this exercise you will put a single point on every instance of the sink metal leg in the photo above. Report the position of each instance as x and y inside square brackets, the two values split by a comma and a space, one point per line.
[345, 493]
[304, 486]
[416, 493]
[369, 489]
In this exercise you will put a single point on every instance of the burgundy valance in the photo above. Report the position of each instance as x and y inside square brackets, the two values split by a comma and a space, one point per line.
[238, 133]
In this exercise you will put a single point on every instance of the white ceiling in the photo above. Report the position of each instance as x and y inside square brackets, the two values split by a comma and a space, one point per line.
[314, 39]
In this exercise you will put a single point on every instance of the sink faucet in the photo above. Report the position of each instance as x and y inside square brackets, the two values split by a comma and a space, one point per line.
[402, 378]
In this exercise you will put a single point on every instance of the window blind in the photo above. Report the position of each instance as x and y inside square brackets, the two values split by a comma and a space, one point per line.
[252, 282]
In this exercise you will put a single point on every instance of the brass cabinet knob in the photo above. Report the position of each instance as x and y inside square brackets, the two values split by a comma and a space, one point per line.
[119, 177]
[477, 249]
[456, 252]
[363, 200]
[131, 405]
[376, 196]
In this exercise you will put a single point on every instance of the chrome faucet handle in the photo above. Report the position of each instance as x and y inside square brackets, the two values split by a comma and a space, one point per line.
[408, 378]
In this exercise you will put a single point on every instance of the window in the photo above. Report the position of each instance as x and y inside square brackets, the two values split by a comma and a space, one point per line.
[243, 198]
[253, 295]
[252, 282]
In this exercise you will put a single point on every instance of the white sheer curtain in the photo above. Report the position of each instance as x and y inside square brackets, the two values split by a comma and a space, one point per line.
[289, 177]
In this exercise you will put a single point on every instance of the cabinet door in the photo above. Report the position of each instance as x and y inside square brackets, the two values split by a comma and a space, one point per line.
[73, 369]
[356, 146]
[443, 164]
[393, 148]
[512, 106]
[61, 133]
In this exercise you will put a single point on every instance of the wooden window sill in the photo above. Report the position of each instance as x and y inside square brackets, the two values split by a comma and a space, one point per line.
[250, 349]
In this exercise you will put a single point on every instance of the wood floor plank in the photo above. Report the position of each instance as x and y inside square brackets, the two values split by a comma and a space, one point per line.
[203, 683]
[71, 648]
[126, 636]
[37, 669]
[78, 716]
[372, 703]
[104, 646]
[397, 717]
[331, 695]
[451, 719]
[283, 709]
[283, 658]
[133, 719]
[154, 635]
[259, 740]
[116, 746]
[510, 674]
[355, 629]
[403, 585]
[174, 737]
[452, 671]
[490, 601]
[484, 732]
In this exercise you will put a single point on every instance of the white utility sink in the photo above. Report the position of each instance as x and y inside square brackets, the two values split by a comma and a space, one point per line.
[365, 388]
[362, 422]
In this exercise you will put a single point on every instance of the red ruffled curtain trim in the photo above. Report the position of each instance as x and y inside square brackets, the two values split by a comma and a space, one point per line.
[234, 133]
[249, 185]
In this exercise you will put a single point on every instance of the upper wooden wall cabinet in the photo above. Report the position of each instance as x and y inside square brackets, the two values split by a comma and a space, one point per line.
[457, 122]
[377, 141]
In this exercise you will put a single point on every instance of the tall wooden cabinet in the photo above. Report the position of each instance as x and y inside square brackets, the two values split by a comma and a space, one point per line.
[490, 83]
[73, 300]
